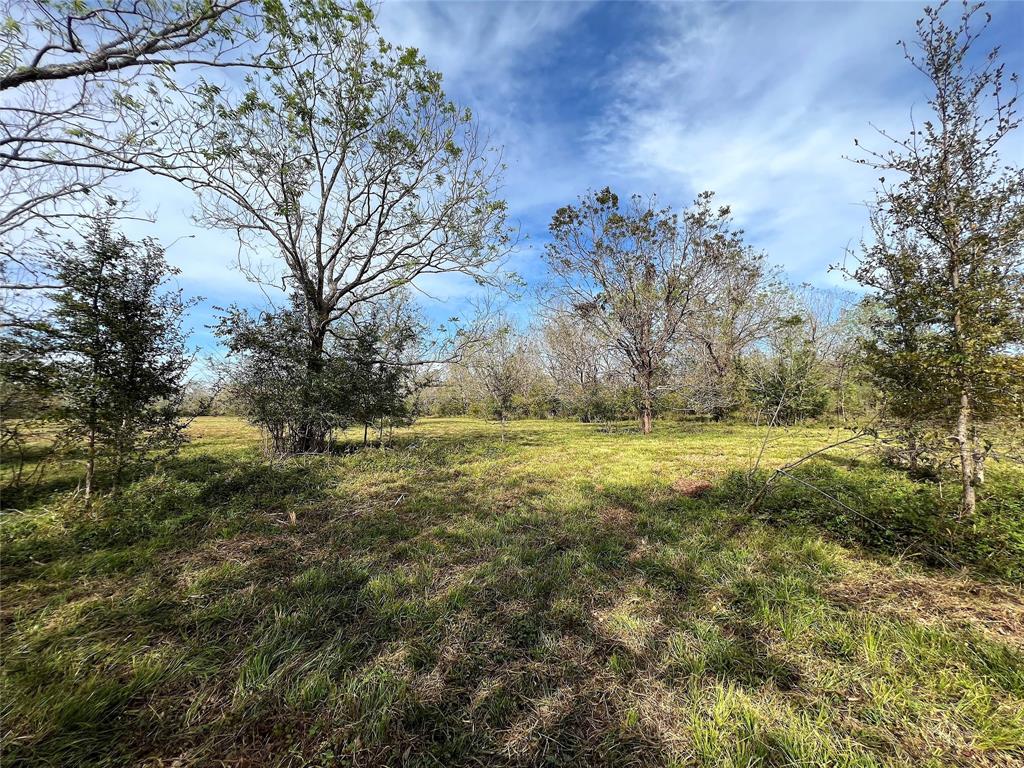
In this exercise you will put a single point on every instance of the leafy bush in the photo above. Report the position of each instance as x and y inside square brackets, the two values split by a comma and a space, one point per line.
[890, 512]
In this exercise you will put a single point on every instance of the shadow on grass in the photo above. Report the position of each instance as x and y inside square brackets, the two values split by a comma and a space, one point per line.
[888, 513]
[411, 615]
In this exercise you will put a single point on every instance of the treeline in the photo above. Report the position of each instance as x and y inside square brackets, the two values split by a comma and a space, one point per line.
[764, 352]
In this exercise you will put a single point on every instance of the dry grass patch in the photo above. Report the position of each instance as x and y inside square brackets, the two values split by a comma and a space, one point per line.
[691, 488]
[995, 610]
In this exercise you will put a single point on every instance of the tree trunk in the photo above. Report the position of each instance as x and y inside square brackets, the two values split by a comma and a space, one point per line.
[967, 478]
[646, 401]
[311, 436]
[979, 458]
[366, 435]
[646, 418]
[119, 460]
[90, 468]
[964, 426]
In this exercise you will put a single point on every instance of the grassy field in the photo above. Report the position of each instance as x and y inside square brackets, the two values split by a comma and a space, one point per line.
[559, 598]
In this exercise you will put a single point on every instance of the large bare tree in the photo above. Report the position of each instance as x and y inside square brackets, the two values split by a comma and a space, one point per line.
[347, 165]
[632, 272]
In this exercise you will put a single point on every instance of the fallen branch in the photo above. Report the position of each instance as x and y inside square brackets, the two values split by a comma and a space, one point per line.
[755, 502]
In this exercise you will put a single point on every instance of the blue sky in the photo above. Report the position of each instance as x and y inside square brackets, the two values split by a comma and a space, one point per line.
[756, 101]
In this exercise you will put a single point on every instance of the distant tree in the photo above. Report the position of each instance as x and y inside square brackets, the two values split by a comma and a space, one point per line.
[787, 383]
[742, 306]
[348, 162]
[451, 390]
[579, 365]
[206, 398]
[834, 326]
[946, 261]
[632, 272]
[116, 350]
[502, 368]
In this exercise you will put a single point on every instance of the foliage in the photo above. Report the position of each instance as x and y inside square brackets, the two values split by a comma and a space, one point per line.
[582, 370]
[789, 384]
[740, 309]
[362, 374]
[274, 382]
[887, 512]
[381, 350]
[946, 263]
[27, 380]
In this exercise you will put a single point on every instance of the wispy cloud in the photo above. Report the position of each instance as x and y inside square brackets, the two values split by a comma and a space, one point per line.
[760, 103]
[757, 101]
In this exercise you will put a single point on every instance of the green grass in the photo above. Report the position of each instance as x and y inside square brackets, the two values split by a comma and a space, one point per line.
[550, 600]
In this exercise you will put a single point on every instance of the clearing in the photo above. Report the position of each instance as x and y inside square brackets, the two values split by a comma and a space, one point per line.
[566, 597]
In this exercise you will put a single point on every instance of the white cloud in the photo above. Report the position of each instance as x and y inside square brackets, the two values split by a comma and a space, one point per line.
[760, 103]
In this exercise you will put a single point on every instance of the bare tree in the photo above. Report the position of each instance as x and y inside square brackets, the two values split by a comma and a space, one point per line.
[579, 364]
[632, 273]
[349, 161]
[740, 309]
[502, 368]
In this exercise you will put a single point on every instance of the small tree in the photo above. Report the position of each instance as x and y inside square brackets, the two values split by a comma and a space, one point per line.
[946, 262]
[381, 348]
[270, 379]
[787, 383]
[117, 350]
[364, 373]
[631, 273]
[502, 369]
